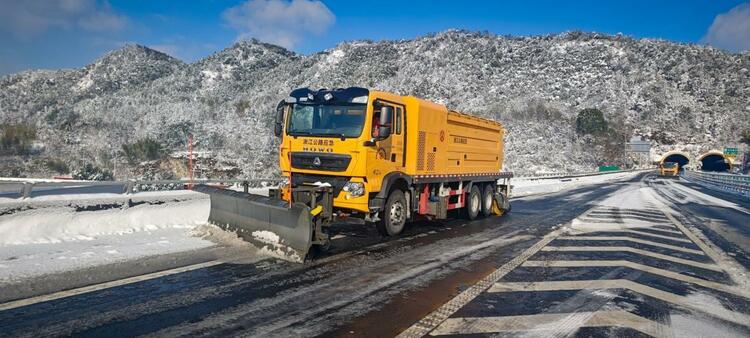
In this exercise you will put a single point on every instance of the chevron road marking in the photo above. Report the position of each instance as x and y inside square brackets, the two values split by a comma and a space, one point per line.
[735, 317]
[641, 267]
[643, 233]
[548, 323]
[634, 240]
[431, 321]
[707, 266]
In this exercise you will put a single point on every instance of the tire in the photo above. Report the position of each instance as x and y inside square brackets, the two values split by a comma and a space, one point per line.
[473, 203]
[488, 196]
[394, 214]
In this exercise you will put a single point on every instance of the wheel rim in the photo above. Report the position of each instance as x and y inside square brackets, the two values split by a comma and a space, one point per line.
[397, 215]
[474, 203]
[488, 201]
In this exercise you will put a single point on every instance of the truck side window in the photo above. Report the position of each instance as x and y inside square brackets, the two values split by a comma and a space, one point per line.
[375, 123]
[398, 120]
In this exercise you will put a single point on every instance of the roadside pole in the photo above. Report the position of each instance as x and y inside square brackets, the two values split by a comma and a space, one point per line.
[190, 161]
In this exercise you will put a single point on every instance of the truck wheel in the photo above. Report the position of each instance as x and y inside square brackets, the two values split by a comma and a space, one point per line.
[488, 196]
[473, 203]
[394, 214]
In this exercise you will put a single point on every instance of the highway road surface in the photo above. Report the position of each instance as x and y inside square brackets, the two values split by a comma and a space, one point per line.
[641, 257]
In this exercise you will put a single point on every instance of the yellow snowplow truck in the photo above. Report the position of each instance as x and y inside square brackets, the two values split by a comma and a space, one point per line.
[669, 169]
[354, 152]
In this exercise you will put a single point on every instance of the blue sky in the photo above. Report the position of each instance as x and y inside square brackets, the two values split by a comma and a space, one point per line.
[71, 33]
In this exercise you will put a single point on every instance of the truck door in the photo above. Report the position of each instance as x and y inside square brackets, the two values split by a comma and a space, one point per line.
[393, 147]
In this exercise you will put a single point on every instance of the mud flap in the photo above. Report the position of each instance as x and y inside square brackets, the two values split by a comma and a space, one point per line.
[500, 204]
[269, 223]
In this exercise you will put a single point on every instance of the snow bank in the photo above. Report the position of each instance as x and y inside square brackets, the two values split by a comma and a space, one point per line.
[62, 224]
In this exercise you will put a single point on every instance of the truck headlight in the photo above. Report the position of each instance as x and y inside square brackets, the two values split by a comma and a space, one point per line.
[354, 189]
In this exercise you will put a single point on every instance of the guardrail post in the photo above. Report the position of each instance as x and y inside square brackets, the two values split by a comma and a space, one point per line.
[129, 187]
[26, 191]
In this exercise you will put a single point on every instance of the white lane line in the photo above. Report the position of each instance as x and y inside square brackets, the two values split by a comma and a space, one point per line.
[641, 267]
[707, 266]
[721, 313]
[547, 323]
[73, 292]
[431, 321]
[634, 240]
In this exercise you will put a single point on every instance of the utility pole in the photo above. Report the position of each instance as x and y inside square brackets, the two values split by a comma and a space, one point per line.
[190, 161]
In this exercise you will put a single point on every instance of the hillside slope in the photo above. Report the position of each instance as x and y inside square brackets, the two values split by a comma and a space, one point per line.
[680, 96]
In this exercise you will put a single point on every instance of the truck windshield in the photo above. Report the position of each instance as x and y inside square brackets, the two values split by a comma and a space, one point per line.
[670, 164]
[338, 120]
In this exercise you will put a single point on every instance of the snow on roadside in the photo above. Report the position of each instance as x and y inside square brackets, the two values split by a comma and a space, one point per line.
[56, 238]
[64, 224]
[21, 262]
[526, 187]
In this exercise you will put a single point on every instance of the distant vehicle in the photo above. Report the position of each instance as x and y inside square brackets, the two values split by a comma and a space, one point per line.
[380, 156]
[669, 169]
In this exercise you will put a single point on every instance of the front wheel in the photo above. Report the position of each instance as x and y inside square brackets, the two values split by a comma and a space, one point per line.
[394, 214]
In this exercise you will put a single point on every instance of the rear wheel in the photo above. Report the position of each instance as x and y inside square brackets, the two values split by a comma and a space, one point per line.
[473, 203]
[487, 199]
[394, 214]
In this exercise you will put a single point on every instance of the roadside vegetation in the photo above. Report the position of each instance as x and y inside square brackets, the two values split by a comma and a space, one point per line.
[92, 173]
[591, 121]
[16, 139]
[745, 137]
[146, 149]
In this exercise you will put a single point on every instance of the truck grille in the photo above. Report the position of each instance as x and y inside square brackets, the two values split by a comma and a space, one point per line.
[320, 161]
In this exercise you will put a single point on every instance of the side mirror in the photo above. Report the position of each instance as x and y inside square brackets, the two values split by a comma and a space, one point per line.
[384, 132]
[386, 115]
[386, 112]
[279, 121]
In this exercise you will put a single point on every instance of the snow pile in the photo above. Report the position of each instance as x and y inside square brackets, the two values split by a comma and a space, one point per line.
[62, 224]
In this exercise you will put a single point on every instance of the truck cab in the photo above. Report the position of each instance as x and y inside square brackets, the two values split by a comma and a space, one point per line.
[669, 169]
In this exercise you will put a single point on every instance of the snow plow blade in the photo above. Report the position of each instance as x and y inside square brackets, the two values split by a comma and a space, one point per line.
[269, 223]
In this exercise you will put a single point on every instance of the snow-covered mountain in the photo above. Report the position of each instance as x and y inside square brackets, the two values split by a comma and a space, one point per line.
[678, 95]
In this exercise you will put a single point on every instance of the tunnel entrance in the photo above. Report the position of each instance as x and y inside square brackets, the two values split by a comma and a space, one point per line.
[715, 162]
[679, 158]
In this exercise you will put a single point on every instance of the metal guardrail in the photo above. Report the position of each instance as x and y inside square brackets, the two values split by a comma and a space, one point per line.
[24, 189]
[739, 184]
[574, 175]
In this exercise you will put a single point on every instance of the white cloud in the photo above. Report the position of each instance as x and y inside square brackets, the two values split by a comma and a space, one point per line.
[30, 18]
[279, 22]
[730, 30]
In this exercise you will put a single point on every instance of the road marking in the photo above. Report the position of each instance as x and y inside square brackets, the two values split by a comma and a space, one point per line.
[721, 313]
[637, 266]
[671, 238]
[431, 321]
[634, 240]
[661, 230]
[639, 228]
[736, 272]
[549, 323]
[707, 266]
[91, 288]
